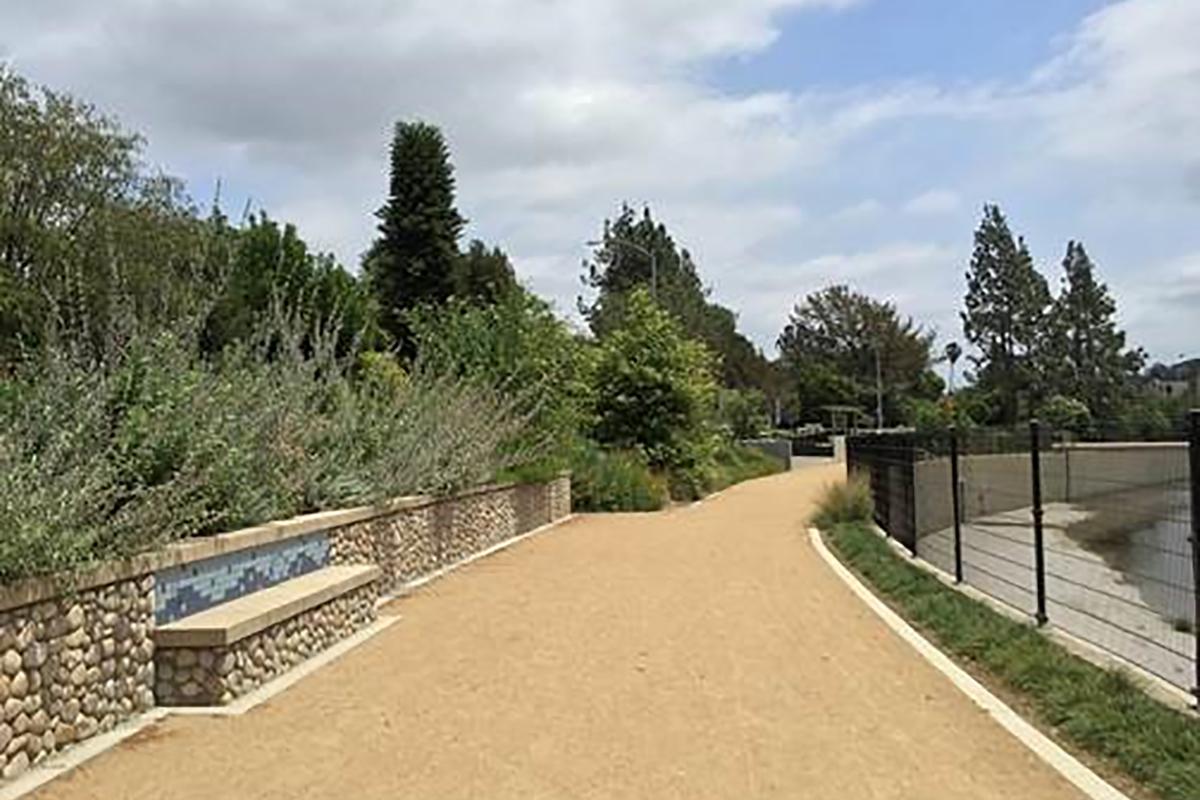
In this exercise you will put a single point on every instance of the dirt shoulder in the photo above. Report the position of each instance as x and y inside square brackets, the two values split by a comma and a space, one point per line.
[703, 652]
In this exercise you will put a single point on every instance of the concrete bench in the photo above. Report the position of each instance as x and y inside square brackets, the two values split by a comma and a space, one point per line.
[219, 654]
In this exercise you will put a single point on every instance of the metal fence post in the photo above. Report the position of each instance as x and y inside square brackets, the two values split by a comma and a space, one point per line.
[1039, 555]
[1194, 469]
[910, 491]
[958, 564]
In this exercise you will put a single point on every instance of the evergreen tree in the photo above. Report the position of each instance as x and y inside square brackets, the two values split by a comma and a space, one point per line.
[1006, 304]
[413, 260]
[638, 252]
[1085, 357]
[271, 265]
[483, 275]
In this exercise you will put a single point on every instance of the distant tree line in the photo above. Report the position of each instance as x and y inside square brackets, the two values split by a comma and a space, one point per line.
[1033, 352]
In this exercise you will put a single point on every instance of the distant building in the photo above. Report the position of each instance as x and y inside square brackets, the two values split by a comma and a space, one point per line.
[1171, 389]
[1179, 381]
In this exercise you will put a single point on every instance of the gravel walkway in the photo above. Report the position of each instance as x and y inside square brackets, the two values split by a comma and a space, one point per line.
[704, 652]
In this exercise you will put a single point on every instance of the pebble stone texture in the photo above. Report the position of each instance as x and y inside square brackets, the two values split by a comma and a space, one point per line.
[79, 664]
[192, 588]
[73, 667]
[417, 541]
[217, 676]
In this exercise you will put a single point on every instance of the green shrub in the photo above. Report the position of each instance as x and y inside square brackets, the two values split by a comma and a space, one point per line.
[518, 345]
[724, 464]
[843, 503]
[736, 463]
[604, 480]
[654, 388]
[743, 412]
[1066, 413]
[100, 460]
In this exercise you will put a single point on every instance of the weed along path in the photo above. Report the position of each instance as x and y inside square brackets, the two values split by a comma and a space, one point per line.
[703, 652]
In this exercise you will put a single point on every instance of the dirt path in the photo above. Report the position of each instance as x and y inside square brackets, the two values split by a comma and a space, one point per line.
[705, 652]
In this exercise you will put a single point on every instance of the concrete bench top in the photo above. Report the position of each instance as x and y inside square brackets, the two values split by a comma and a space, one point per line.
[230, 622]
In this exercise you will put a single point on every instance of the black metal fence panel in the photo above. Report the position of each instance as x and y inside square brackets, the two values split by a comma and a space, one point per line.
[1119, 566]
[887, 460]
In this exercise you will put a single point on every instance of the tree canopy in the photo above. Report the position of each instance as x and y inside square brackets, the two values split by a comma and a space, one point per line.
[838, 342]
[635, 251]
[92, 244]
[271, 266]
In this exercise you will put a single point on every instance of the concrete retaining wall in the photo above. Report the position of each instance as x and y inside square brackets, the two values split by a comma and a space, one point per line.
[777, 448]
[997, 483]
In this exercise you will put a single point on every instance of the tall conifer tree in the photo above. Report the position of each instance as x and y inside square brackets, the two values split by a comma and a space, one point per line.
[413, 260]
[1085, 356]
[1006, 305]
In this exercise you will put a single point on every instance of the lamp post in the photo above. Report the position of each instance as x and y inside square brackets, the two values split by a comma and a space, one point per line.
[647, 252]
[878, 388]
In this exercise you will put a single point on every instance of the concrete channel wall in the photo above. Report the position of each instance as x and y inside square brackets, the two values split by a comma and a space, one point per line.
[995, 483]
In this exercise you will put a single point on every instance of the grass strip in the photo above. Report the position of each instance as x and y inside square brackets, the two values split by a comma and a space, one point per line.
[1101, 712]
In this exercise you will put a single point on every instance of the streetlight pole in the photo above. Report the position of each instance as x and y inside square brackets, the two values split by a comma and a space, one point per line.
[647, 252]
[878, 389]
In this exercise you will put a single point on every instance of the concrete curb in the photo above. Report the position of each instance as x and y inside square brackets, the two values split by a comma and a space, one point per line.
[1042, 746]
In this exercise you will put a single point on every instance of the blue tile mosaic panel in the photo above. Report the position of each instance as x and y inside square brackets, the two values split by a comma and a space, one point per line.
[192, 588]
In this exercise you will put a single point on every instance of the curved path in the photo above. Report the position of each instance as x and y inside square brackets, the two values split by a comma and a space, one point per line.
[704, 652]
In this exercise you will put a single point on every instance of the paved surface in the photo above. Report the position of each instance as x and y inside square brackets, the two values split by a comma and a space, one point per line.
[704, 652]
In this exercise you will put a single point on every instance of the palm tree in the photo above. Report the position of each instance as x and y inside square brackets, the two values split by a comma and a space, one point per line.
[952, 353]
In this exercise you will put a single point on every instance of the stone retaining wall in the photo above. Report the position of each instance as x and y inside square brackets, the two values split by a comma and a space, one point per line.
[219, 675]
[72, 667]
[414, 541]
[77, 654]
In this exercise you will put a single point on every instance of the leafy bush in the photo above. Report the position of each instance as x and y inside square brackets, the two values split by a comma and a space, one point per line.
[156, 444]
[724, 464]
[605, 480]
[517, 345]
[844, 503]
[743, 412]
[1066, 413]
[654, 388]
[736, 463]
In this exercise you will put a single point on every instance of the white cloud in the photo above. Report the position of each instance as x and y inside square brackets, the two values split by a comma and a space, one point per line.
[558, 111]
[934, 201]
[858, 213]
[914, 275]
[1129, 84]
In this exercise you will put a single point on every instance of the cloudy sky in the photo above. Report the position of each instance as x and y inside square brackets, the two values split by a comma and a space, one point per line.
[787, 143]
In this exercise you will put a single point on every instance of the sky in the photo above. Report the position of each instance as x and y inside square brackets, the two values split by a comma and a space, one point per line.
[789, 144]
